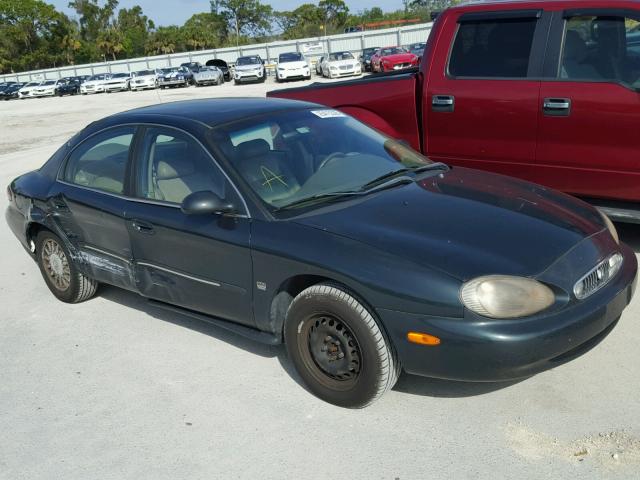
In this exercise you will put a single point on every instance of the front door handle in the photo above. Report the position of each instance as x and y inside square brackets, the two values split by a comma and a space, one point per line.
[443, 103]
[142, 227]
[556, 107]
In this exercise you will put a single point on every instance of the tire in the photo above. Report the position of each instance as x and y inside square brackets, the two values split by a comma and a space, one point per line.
[338, 348]
[70, 287]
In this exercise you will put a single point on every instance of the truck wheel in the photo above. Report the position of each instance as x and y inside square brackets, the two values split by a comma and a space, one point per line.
[338, 348]
[59, 272]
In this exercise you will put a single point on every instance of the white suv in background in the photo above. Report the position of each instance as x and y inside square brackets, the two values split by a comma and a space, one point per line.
[95, 84]
[292, 65]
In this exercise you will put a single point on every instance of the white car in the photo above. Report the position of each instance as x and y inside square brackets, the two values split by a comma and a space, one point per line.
[292, 65]
[340, 64]
[95, 84]
[48, 88]
[249, 69]
[144, 79]
[118, 82]
[27, 90]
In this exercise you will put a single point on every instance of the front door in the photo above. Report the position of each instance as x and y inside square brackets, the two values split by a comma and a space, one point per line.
[481, 104]
[200, 262]
[590, 112]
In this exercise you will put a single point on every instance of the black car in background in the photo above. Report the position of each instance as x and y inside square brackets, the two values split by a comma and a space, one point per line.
[222, 65]
[365, 58]
[10, 92]
[291, 222]
[417, 48]
[71, 86]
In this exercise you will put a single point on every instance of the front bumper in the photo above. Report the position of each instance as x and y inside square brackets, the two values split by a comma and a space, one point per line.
[116, 87]
[475, 348]
[172, 82]
[248, 77]
[293, 74]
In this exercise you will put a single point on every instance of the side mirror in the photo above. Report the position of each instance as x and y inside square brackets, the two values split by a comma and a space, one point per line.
[205, 203]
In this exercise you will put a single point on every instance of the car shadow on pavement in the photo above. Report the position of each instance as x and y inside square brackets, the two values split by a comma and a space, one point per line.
[630, 234]
[435, 387]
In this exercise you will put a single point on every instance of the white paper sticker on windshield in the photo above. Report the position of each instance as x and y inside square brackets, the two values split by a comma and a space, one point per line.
[328, 113]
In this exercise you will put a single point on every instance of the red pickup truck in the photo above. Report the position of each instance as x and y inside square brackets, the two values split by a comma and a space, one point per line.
[547, 91]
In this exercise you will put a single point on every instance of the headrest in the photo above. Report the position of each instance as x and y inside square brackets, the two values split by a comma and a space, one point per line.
[253, 148]
[175, 168]
[574, 47]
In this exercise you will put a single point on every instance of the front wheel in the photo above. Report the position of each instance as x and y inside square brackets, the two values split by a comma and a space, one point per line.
[59, 273]
[338, 348]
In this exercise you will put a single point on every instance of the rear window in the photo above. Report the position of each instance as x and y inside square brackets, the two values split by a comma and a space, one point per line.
[493, 48]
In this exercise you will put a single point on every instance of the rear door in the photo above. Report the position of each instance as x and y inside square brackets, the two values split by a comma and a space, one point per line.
[481, 104]
[590, 109]
[200, 262]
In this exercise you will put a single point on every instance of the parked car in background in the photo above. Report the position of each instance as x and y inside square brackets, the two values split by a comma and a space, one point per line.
[208, 76]
[174, 77]
[340, 64]
[546, 91]
[68, 86]
[249, 69]
[11, 91]
[388, 59]
[26, 91]
[94, 84]
[47, 88]
[222, 65]
[289, 222]
[118, 82]
[292, 65]
[319, 64]
[365, 58]
[143, 79]
[5, 85]
[417, 48]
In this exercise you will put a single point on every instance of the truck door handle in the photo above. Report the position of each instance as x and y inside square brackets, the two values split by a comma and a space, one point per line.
[556, 107]
[142, 227]
[443, 103]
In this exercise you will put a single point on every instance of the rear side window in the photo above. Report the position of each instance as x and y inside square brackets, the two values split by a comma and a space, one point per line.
[101, 161]
[493, 48]
[602, 48]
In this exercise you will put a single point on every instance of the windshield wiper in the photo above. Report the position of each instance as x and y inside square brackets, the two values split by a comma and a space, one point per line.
[424, 168]
[351, 193]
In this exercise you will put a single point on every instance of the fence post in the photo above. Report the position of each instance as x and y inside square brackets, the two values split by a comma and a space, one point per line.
[399, 36]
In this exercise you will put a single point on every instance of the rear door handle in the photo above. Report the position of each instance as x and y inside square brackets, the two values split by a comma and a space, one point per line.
[443, 103]
[557, 107]
[142, 227]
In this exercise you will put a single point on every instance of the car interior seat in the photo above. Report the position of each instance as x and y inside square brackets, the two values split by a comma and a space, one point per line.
[575, 60]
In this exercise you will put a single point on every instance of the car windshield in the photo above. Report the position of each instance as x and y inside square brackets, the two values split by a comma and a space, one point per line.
[96, 77]
[120, 75]
[296, 155]
[369, 51]
[248, 61]
[32, 84]
[290, 57]
[49, 82]
[144, 73]
[341, 56]
[391, 51]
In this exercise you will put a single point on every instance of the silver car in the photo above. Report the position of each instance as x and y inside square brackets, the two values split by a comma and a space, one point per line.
[208, 76]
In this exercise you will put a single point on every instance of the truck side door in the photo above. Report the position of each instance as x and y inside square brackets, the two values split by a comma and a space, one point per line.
[589, 111]
[481, 104]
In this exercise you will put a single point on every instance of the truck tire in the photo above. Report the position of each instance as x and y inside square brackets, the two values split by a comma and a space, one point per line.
[338, 348]
[60, 274]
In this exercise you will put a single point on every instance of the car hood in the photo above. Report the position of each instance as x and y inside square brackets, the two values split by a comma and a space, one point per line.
[116, 80]
[292, 65]
[399, 57]
[145, 77]
[466, 223]
[248, 68]
[93, 83]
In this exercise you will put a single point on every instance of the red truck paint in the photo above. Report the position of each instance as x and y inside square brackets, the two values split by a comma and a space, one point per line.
[499, 124]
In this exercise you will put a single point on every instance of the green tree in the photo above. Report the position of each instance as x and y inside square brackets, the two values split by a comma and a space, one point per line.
[304, 21]
[110, 42]
[135, 27]
[94, 19]
[334, 14]
[164, 40]
[247, 17]
[204, 30]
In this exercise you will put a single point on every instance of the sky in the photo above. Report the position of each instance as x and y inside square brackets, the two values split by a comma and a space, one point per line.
[176, 12]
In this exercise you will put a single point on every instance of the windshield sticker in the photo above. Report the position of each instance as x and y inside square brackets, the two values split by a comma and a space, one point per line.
[328, 113]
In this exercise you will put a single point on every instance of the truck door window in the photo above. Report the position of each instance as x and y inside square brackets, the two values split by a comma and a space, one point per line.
[493, 48]
[602, 48]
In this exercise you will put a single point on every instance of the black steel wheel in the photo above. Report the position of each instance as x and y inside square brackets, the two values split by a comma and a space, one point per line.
[60, 274]
[338, 348]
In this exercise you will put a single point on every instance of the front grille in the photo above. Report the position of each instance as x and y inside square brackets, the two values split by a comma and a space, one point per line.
[598, 277]
[345, 67]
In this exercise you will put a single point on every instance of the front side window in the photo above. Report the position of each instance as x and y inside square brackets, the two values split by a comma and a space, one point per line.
[173, 165]
[493, 48]
[295, 155]
[602, 48]
[101, 161]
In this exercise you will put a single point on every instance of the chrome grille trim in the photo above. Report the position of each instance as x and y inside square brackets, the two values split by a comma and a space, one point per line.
[598, 276]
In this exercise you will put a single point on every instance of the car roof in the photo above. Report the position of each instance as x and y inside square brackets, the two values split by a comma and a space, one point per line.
[213, 111]
[484, 5]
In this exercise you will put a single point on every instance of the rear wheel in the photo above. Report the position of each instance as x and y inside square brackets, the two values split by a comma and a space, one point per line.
[60, 274]
[338, 348]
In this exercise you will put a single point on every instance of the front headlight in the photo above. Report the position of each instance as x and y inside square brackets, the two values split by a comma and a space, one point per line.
[504, 296]
[611, 227]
